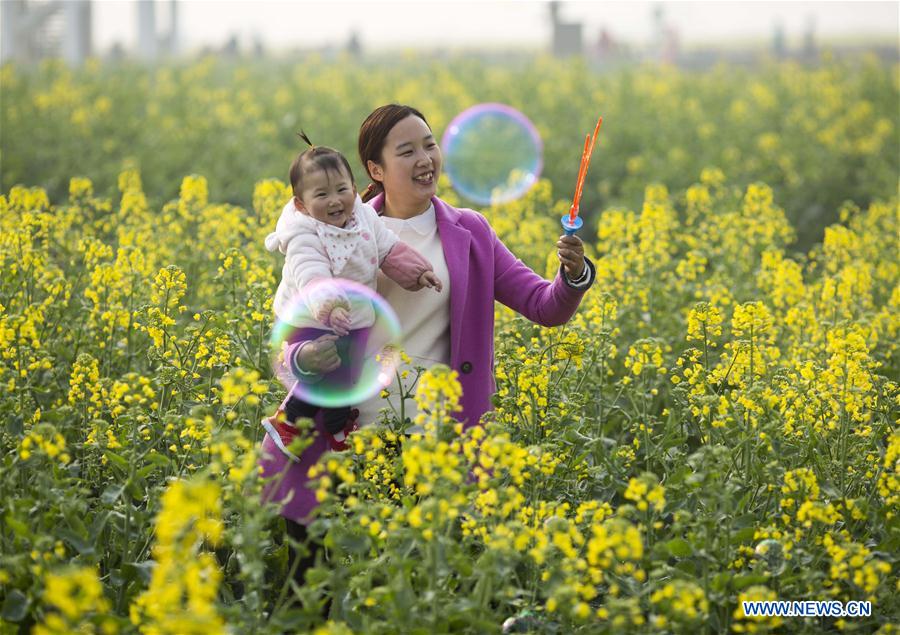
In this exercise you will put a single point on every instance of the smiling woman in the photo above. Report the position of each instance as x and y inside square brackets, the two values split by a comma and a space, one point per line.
[456, 329]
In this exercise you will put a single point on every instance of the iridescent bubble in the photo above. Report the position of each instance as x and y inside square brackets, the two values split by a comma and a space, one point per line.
[492, 153]
[369, 353]
[771, 554]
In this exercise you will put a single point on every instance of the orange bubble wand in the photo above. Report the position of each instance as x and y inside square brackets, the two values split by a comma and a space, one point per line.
[571, 222]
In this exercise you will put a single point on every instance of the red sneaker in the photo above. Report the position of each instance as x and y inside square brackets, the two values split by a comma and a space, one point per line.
[340, 441]
[282, 433]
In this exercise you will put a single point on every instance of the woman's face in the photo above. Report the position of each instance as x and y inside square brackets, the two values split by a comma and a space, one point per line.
[410, 166]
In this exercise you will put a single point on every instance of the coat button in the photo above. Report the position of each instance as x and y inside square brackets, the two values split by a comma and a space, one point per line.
[466, 367]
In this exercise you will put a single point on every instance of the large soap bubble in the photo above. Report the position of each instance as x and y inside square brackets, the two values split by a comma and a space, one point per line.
[492, 153]
[771, 553]
[369, 354]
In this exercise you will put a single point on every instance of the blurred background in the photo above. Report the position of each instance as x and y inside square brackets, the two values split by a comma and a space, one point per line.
[686, 33]
[801, 95]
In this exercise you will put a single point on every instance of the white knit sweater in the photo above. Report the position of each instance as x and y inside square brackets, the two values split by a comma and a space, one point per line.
[424, 317]
[316, 251]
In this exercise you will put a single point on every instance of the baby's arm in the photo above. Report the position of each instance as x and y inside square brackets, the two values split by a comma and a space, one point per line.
[400, 262]
[310, 270]
[410, 269]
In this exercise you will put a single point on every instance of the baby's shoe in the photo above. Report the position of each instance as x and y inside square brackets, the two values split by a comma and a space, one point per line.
[282, 433]
[339, 440]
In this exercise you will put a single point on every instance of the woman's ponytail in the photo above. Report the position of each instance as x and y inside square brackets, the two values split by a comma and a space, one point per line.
[374, 189]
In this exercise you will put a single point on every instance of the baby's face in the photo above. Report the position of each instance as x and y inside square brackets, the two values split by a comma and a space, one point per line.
[327, 196]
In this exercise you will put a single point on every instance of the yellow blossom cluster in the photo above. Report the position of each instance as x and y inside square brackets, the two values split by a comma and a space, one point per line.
[646, 492]
[77, 595]
[44, 439]
[242, 384]
[679, 601]
[645, 354]
[185, 580]
[853, 563]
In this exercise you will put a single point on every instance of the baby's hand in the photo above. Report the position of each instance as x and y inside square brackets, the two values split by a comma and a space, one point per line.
[339, 320]
[430, 279]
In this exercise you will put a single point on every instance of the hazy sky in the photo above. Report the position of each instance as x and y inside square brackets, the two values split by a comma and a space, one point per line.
[489, 23]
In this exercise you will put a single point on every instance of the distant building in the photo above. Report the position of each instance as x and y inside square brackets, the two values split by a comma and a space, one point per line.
[33, 30]
[666, 41]
[567, 36]
[354, 46]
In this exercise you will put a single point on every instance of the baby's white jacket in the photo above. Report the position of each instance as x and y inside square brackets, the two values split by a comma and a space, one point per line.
[316, 253]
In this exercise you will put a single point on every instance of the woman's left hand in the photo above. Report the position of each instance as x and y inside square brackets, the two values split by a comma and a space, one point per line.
[571, 255]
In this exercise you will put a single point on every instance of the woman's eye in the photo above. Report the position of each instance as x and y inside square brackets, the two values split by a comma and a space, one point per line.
[408, 153]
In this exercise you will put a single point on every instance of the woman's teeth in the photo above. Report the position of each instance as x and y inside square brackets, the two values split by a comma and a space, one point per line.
[425, 179]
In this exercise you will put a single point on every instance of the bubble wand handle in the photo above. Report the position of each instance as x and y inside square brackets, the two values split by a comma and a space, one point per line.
[571, 226]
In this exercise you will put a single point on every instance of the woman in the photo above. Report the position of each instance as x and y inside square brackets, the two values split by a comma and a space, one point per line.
[456, 327]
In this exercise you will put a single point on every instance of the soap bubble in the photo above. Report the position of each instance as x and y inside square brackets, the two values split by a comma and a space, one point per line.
[492, 153]
[369, 356]
[771, 554]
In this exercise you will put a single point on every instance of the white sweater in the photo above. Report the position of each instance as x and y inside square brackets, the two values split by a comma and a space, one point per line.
[318, 251]
[424, 317]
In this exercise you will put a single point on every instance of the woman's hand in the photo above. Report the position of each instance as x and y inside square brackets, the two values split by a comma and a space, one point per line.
[571, 254]
[319, 356]
[430, 279]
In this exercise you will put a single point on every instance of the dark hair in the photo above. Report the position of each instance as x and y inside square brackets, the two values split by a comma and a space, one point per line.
[316, 158]
[373, 134]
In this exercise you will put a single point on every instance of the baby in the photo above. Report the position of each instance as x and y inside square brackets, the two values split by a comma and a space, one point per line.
[326, 232]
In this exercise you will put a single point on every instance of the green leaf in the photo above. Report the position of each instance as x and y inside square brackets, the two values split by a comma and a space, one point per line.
[720, 582]
[155, 458]
[573, 436]
[660, 551]
[79, 544]
[145, 471]
[749, 579]
[679, 547]
[136, 491]
[142, 571]
[352, 543]
[15, 606]
[73, 516]
[98, 525]
[111, 494]
[744, 535]
[15, 426]
[17, 526]
[118, 461]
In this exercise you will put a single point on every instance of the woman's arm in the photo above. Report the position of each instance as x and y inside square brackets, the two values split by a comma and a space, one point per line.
[541, 301]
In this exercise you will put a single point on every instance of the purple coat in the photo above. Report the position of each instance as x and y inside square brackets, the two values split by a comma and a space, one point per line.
[481, 270]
